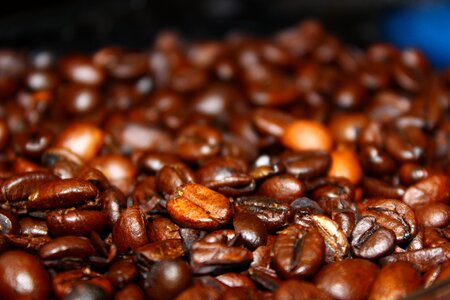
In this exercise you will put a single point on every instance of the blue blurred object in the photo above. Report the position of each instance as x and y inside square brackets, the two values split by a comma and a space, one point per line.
[425, 26]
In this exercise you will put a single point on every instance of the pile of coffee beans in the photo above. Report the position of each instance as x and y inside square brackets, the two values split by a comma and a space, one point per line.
[288, 167]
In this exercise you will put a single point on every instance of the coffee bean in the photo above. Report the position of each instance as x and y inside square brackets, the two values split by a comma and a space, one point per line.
[75, 222]
[341, 279]
[67, 246]
[273, 213]
[166, 279]
[23, 276]
[370, 240]
[298, 252]
[157, 251]
[19, 187]
[429, 190]
[395, 281]
[61, 194]
[307, 164]
[283, 187]
[433, 215]
[251, 229]
[304, 135]
[345, 163]
[394, 215]
[130, 292]
[299, 290]
[129, 232]
[87, 291]
[196, 206]
[122, 272]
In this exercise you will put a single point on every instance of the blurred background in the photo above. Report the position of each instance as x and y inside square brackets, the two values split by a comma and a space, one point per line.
[85, 25]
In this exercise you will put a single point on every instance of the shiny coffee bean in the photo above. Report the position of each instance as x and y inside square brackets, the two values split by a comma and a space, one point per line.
[283, 187]
[251, 230]
[23, 276]
[299, 290]
[395, 281]
[161, 229]
[341, 280]
[130, 292]
[75, 222]
[122, 272]
[345, 163]
[272, 212]
[67, 246]
[172, 176]
[198, 142]
[433, 215]
[196, 206]
[298, 252]
[307, 164]
[129, 232]
[20, 186]
[303, 135]
[61, 193]
[87, 291]
[429, 190]
[166, 279]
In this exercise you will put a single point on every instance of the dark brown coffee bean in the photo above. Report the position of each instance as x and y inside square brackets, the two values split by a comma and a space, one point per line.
[429, 190]
[370, 240]
[130, 292]
[121, 273]
[345, 219]
[32, 144]
[158, 251]
[375, 188]
[196, 206]
[161, 229]
[394, 215]
[272, 212]
[75, 222]
[119, 170]
[198, 142]
[80, 100]
[270, 121]
[395, 281]
[129, 232]
[172, 176]
[19, 187]
[307, 164]
[23, 276]
[199, 293]
[61, 194]
[298, 252]
[87, 291]
[213, 254]
[67, 246]
[250, 229]
[341, 279]
[406, 144]
[350, 96]
[422, 259]
[34, 227]
[27, 242]
[286, 188]
[64, 282]
[265, 277]
[112, 201]
[376, 161]
[299, 290]
[152, 161]
[167, 279]
[433, 215]
[236, 280]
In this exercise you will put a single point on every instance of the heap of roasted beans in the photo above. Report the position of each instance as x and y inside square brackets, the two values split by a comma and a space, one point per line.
[289, 167]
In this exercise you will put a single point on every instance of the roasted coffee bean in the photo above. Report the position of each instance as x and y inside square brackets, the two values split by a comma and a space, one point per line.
[112, 201]
[23, 276]
[394, 215]
[152, 161]
[307, 164]
[410, 173]
[250, 229]
[61, 193]
[130, 292]
[395, 281]
[119, 170]
[370, 240]
[298, 252]
[33, 227]
[342, 280]
[19, 187]
[273, 213]
[406, 144]
[80, 69]
[157, 251]
[337, 246]
[283, 187]
[82, 139]
[161, 229]
[345, 219]
[236, 280]
[375, 188]
[198, 142]
[269, 121]
[67, 246]
[433, 215]
[437, 273]
[429, 190]
[376, 161]
[299, 290]
[63, 283]
[302, 135]
[87, 291]
[121, 273]
[199, 293]
[167, 279]
[32, 144]
[212, 254]
[345, 163]
[196, 206]
[27, 242]
[170, 177]
[75, 222]
[423, 259]
[129, 232]
[346, 128]
[8, 223]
